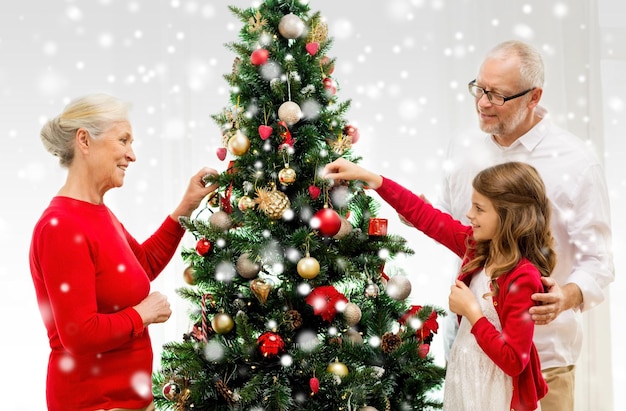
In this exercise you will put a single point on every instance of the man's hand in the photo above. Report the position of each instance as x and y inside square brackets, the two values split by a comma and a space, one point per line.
[554, 301]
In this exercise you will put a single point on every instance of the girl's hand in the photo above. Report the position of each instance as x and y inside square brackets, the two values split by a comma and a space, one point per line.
[463, 302]
[342, 169]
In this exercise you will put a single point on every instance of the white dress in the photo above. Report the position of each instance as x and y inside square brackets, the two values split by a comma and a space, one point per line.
[473, 381]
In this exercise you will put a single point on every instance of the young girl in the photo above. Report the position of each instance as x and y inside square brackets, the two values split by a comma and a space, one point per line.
[493, 363]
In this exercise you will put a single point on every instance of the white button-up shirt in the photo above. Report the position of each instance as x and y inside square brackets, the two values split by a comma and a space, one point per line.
[576, 186]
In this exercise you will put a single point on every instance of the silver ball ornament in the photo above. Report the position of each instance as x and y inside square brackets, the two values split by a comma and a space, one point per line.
[221, 220]
[247, 268]
[291, 26]
[398, 287]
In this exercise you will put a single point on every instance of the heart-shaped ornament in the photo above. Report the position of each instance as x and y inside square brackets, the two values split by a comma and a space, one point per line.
[260, 289]
[221, 153]
[314, 192]
[265, 132]
[312, 48]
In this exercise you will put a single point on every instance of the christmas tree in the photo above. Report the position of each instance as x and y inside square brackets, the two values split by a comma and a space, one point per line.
[292, 305]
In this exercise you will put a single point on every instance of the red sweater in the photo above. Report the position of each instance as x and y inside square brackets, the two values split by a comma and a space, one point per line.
[88, 273]
[512, 349]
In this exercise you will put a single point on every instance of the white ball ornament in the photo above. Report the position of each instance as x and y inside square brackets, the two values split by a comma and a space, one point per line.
[289, 112]
[291, 26]
[398, 287]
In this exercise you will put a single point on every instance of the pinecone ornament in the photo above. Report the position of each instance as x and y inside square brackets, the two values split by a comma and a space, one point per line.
[293, 318]
[390, 342]
[272, 202]
[226, 392]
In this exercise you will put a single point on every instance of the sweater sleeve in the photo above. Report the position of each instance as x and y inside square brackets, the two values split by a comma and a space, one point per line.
[157, 251]
[65, 281]
[510, 349]
[434, 223]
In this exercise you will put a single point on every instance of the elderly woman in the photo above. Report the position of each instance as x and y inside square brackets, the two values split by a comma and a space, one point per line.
[92, 278]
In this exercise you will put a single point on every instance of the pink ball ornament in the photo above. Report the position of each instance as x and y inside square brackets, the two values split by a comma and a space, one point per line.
[327, 222]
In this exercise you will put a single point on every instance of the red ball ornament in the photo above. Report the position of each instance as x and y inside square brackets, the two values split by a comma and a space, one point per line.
[327, 222]
[203, 246]
[422, 350]
[351, 132]
[259, 57]
[270, 344]
[330, 86]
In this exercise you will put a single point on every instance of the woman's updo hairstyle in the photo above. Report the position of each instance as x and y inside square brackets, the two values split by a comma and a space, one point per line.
[95, 113]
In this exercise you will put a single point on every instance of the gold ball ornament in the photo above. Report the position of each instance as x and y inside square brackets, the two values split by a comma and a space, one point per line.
[189, 275]
[247, 268]
[338, 368]
[398, 287]
[222, 323]
[221, 220]
[352, 314]
[239, 144]
[287, 176]
[246, 203]
[291, 26]
[308, 267]
[289, 112]
[368, 408]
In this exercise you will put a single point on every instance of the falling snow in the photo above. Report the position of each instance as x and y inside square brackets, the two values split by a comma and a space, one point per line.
[403, 63]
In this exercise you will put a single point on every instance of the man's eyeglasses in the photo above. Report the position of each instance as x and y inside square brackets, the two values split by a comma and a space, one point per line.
[494, 98]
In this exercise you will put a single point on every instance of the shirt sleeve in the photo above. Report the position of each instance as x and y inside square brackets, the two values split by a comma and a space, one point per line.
[590, 234]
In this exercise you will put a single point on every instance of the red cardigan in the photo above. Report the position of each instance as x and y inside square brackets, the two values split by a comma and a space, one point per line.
[88, 273]
[512, 349]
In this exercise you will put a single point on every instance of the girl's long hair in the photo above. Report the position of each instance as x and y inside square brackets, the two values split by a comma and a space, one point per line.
[518, 194]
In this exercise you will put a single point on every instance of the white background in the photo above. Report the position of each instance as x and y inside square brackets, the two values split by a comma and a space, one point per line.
[403, 63]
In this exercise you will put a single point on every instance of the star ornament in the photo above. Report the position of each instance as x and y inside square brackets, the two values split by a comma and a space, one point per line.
[325, 301]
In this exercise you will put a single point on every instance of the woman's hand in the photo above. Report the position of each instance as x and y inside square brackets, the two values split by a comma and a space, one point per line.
[196, 191]
[154, 309]
[463, 302]
[342, 169]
